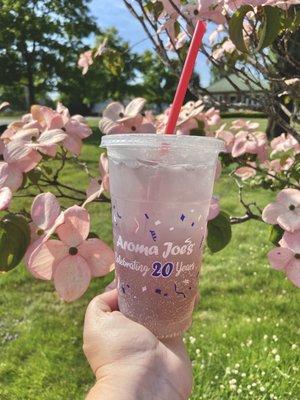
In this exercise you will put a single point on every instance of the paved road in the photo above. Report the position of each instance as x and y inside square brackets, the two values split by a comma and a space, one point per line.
[7, 120]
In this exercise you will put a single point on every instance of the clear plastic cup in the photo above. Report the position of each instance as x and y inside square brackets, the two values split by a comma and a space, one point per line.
[161, 187]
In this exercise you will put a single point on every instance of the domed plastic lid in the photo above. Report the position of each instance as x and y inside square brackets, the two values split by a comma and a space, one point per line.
[156, 141]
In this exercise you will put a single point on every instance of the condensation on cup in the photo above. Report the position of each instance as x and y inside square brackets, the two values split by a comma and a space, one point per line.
[161, 187]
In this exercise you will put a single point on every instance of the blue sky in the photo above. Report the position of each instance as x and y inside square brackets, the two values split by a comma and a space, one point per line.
[114, 13]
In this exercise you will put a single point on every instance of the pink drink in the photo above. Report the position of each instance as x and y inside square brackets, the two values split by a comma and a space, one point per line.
[161, 187]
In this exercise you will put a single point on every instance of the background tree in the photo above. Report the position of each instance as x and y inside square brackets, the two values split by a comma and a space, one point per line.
[111, 77]
[37, 42]
[158, 82]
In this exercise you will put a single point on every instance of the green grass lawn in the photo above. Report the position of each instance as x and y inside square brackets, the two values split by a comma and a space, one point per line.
[242, 342]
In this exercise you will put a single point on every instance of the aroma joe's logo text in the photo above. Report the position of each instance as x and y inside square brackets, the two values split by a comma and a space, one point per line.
[159, 269]
[168, 248]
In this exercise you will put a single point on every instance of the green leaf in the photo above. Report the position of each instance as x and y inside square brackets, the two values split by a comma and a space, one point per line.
[292, 20]
[158, 9]
[14, 240]
[218, 232]
[276, 233]
[177, 28]
[282, 155]
[236, 28]
[271, 26]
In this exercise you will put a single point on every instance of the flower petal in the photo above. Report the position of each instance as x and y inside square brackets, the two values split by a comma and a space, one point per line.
[293, 272]
[4, 171]
[239, 147]
[44, 256]
[245, 172]
[99, 256]
[289, 196]
[271, 212]
[289, 221]
[51, 137]
[135, 106]
[77, 128]
[49, 150]
[5, 198]
[291, 241]
[103, 164]
[15, 177]
[15, 150]
[29, 162]
[4, 105]
[94, 186]
[93, 192]
[109, 127]
[44, 210]
[279, 257]
[73, 144]
[76, 226]
[214, 208]
[72, 277]
[146, 128]
[114, 111]
[2, 146]
[218, 170]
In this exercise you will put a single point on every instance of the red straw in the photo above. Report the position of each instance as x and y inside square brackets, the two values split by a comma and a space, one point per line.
[185, 77]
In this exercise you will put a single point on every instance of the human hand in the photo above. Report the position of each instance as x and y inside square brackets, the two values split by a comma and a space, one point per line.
[129, 362]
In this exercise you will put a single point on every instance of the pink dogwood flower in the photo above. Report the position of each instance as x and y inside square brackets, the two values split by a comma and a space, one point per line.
[5, 197]
[277, 166]
[284, 142]
[250, 142]
[29, 141]
[85, 61]
[120, 119]
[116, 112]
[287, 257]
[285, 211]
[214, 208]
[74, 259]
[74, 127]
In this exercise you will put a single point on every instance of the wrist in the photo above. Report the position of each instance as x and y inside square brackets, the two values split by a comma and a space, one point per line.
[146, 380]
